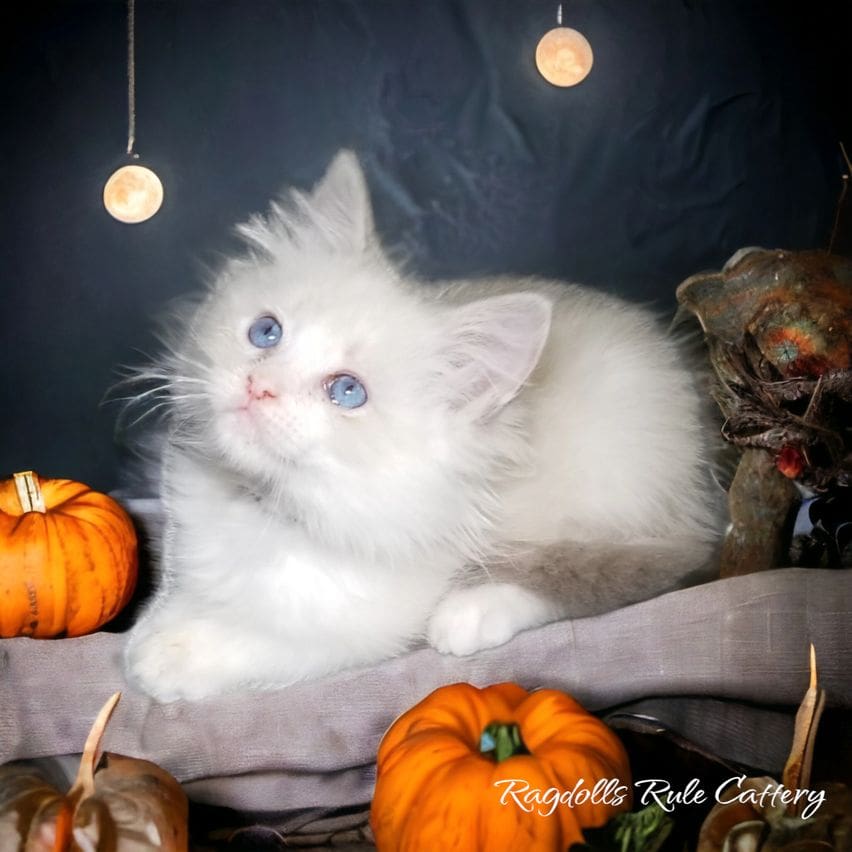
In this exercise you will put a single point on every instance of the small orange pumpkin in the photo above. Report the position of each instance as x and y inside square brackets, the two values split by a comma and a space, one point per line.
[497, 769]
[68, 557]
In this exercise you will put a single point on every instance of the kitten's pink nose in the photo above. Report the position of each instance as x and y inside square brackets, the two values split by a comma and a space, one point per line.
[260, 388]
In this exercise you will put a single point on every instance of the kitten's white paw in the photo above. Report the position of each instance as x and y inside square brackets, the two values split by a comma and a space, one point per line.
[469, 620]
[171, 664]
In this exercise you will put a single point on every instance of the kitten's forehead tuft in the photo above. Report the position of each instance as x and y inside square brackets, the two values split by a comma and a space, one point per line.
[335, 216]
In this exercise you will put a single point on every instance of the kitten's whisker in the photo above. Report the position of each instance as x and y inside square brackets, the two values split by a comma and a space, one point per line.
[173, 355]
[147, 413]
[144, 394]
[183, 358]
[189, 442]
[167, 378]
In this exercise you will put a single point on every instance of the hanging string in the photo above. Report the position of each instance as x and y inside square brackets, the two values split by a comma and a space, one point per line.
[131, 78]
[843, 190]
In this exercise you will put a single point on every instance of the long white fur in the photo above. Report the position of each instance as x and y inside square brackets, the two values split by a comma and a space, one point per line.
[502, 416]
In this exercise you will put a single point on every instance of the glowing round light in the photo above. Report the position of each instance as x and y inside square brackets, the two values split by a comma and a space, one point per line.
[133, 194]
[564, 57]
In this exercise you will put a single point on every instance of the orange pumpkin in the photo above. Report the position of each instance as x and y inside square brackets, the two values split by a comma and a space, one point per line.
[68, 557]
[497, 769]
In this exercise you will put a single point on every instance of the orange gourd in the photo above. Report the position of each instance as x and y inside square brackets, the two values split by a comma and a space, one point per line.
[441, 785]
[68, 557]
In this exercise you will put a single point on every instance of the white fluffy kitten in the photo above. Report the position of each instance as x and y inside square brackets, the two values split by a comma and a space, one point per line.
[356, 462]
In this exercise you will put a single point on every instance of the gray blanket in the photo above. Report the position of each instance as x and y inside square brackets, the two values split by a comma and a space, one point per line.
[313, 744]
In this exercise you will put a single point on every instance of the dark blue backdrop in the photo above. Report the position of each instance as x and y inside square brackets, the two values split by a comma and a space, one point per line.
[705, 125]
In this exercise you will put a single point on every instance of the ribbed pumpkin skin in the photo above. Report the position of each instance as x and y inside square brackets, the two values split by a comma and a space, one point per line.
[68, 570]
[434, 790]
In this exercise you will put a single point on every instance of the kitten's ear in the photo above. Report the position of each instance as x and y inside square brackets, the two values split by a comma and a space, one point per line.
[340, 203]
[491, 348]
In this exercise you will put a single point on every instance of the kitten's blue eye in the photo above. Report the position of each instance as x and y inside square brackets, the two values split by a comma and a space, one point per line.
[265, 332]
[345, 390]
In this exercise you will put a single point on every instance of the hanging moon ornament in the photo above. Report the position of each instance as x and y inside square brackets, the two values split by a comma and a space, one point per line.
[564, 57]
[133, 194]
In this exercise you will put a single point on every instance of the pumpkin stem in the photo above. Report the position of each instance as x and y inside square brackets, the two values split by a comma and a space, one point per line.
[84, 784]
[797, 771]
[29, 492]
[502, 740]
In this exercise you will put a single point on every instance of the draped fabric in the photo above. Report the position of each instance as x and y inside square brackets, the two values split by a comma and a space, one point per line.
[743, 640]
